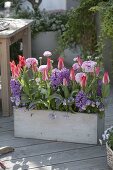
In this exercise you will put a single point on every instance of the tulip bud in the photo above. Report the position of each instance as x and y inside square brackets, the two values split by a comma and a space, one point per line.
[22, 61]
[97, 71]
[72, 74]
[45, 74]
[60, 63]
[106, 79]
[65, 82]
[49, 65]
[83, 81]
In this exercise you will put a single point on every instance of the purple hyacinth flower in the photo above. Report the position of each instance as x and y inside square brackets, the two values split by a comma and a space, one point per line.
[56, 78]
[81, 101]
[65, 73]
[16, 91]
[99, 88]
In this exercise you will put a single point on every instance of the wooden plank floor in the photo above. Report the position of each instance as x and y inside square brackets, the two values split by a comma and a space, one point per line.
[50, 155]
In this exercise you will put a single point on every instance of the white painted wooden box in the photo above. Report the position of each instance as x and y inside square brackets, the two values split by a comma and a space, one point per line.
[38, 124]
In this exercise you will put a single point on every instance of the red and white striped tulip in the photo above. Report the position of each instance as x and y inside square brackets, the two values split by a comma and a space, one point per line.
[65, 83]
[49, 65]
[97, 71]
[45, 74]
[60, 63]
[22, 61]
[83, 81]
[72, 74]
[106, 79]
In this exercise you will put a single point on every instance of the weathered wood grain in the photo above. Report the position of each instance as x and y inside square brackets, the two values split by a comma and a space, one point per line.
[37, 124]
[59, 157]
[46, 148]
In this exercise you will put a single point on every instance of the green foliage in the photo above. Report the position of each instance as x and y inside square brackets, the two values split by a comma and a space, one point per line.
[105, 10]
[81, 27]
[45, 21]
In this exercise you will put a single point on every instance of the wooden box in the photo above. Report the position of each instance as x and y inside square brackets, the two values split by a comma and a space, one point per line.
[58, 126]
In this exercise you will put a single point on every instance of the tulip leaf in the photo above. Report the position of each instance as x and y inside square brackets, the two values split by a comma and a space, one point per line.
[105, 90]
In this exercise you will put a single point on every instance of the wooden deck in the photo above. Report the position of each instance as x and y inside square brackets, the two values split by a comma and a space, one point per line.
[50, 155]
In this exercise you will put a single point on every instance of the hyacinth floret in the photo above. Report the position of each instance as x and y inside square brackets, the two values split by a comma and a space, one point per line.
[56, 78]
[16, 90]
[81, 101]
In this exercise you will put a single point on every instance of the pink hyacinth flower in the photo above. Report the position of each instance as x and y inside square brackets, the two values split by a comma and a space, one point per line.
[47, 54]
[106, 79]
[89, 66]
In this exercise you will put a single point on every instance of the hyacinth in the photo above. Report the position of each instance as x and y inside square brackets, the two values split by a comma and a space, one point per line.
[56, 78]
[65, 73]
[81, 101]
[15, 90]
[99, 88]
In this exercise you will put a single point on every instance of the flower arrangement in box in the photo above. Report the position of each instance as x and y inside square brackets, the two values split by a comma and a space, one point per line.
[79, 89]
[108, 137]
[42, 92]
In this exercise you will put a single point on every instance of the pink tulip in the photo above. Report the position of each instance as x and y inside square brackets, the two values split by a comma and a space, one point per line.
[49, 65]
[97, 71]
[83, 81]
[60, 63]
[22, 61]
[45, 74]
[79, 60]
[72, 74]
[34, 67]
[16, 70]
[106, 79]
[65, 83]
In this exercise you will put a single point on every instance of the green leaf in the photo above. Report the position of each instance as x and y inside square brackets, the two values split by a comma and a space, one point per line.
[105, 90]
[66, 91]
[33, 104]
[56, 96]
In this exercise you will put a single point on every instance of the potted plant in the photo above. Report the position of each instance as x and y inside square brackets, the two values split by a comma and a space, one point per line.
[58, 103]
[108, 137]
[47, 27]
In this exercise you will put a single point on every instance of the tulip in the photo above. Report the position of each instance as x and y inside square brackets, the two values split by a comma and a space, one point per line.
[60, 63]
[83, 81]
[79, 60]
[34, 67]
[12, 65]
[49, 65]
[72, 74]
[45, 74]
[106, 79]
[22, 61]
[65, 83]
[15, 69]
[97, 71]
